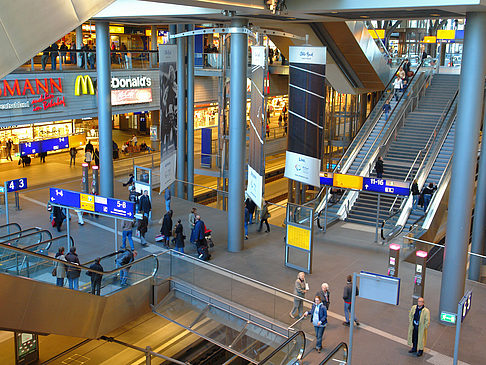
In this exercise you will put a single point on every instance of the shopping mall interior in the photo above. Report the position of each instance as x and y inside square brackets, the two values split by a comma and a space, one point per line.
[191, 181]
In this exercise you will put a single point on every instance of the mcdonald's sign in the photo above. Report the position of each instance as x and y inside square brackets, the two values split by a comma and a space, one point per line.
[83, 85]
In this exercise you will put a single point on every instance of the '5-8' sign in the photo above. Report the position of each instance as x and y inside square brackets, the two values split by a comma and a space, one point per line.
[17, 184]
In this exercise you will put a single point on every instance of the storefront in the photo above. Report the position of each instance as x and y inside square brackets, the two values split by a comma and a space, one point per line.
[37, 107]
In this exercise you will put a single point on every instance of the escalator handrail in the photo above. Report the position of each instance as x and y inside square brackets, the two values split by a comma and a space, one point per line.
[34, 229]
[81, 267]
[333, 352]
[48, 241]
[11, 224]
[40, 231]
[278, 349]
[101, 258]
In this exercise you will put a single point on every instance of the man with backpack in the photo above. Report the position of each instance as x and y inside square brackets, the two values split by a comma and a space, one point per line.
[347, 297]
[95, 277]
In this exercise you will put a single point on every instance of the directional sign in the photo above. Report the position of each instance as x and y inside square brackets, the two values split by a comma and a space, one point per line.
[386, 186]
[54, 144]
[17, 184]
[30, 148]
[466, 304]
[92, 203]
[348, 181]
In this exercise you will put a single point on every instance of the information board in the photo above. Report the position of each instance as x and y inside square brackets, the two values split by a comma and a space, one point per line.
[16, 185]
[381, 288]
[326, 178]
[53, 144]
[92, 203]
[30, 148]
[348, 181]
[465, 304]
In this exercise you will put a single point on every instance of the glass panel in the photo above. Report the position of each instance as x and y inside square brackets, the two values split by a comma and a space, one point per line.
[298, 257]
[338, 356]
[288, 353]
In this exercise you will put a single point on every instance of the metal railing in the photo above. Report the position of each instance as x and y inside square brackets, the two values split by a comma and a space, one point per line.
[290, 352]
[337, 356]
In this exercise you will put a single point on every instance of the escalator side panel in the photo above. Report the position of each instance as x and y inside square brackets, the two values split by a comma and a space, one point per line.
[38, 307]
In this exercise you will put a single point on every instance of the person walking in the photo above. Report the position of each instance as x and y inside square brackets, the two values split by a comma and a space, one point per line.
[247, 221]
[73, 152]
[415, 194]
[300, 288]
[199, 234]
[179, 237]
[45, 58]
[133, 197]
[89, 147]
[96, 277]
[167, 197]
[60, 268]
[318, 315]
[192, 224]
[250, 204]
[142, 229]
[130, 180]
[79, 213]
[264, 215]
[428, 191]
[88, 157]
[418, 323]
[59, 217]
[166, 229]
[145, 205]
[387, 109]
[347, 297]
[9, 145]
[127, 256]
[127, 231]
[324, 295]
[379, 168]
[397, 86]
[73, 273]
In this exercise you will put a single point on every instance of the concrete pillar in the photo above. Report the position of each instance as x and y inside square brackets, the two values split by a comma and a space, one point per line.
[153, 46]
[479, 222]
[473, 71]
[190, 115]
[237, 136]
[103, 71]
[181, 112]
[79, 43]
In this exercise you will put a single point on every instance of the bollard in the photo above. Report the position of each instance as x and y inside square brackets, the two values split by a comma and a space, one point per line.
[393, 260]
[85, 180]
[419, 278]
[95, 183]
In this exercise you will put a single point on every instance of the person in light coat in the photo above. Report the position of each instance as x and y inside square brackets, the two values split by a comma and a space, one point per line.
[419, 321]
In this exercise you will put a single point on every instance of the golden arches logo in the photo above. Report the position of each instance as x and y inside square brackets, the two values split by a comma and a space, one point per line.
[83, 85]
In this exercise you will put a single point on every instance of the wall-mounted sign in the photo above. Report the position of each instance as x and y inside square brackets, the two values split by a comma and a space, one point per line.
[84, 85]
[430, 39]
[131, 96]
[377, 33]
[130, 82]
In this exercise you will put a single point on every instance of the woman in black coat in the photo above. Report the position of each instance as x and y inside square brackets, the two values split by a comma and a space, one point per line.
[166, 229]
[179, 237]
[59, 217]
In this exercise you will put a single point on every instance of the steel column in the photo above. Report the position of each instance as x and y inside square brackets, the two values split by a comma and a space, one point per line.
[190, 115]
[479, 222]
[181, 112]
[237, 136]
[153, 46]
[473, 70]
[103, 71]
[79, 43]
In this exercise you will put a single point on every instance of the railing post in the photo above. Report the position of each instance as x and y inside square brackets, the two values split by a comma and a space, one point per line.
[148, 356]
[32, 64]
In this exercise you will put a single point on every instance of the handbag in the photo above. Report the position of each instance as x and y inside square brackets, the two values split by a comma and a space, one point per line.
[53, 223]
[54, 272]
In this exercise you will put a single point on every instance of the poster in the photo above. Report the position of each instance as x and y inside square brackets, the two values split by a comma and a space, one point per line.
[168, 114]
[256, 157]
[307, 100]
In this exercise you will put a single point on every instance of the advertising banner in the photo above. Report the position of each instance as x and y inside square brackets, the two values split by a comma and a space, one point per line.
[302, 168]
[307, 100]
[168, 114]
[256, 157]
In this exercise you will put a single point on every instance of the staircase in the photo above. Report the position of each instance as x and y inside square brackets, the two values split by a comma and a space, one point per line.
[412, 137]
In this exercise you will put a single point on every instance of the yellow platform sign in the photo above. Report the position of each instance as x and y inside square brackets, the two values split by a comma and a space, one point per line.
[430, 39]
[348, 181]
[446, 34]
[87, 202]
[298, 237]
[377, 33]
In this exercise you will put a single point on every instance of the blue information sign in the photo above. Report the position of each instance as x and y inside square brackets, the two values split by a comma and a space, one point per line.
[386, 186]
[466, 304]
[326, 178]
[30, 148]
[17, 184]
[92, 203]
[55, 144]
